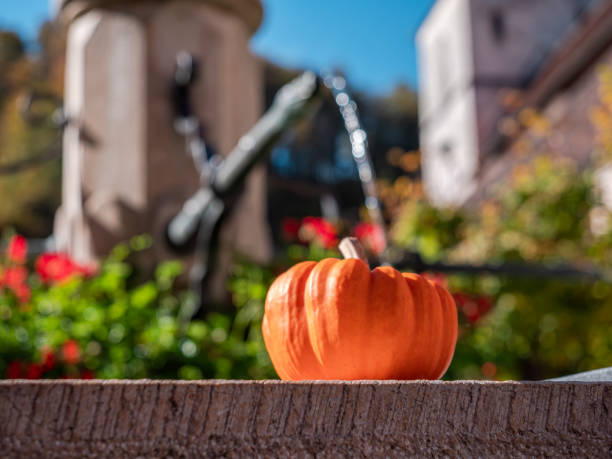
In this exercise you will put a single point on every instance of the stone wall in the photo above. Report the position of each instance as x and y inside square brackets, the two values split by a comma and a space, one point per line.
[326, 419]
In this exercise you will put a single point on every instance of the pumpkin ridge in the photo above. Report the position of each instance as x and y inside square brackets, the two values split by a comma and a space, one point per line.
[288, 344]
[389, 315]
[314, 297]
[337, 313]
[300, 351]
[421, 338]
[437, 329]
[449, 323]
[268, 326]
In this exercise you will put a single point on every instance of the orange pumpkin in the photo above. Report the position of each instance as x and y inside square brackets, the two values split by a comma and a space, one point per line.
[336, 319]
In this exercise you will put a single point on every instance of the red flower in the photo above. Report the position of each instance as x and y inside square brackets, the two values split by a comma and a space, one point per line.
[88, 270]
[17, 249]
[70, 352]
[14, 370]
[58, 267]
[47, 357]
[290, 228]
[488, 369]
[87, 374]
[35, 371]
[372, 236]
[14, 278]
[473, 307]
[22, 293]
[468, 306]
[484, 304]
[318, 230]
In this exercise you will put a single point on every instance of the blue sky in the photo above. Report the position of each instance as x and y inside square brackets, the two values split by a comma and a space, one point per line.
[370, 40]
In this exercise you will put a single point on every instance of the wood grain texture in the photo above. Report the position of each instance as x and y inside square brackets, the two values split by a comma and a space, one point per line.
[323, 419]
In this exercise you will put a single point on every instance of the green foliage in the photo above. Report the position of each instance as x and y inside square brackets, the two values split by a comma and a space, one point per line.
[11, 47]
[34, 188]
[126, 329]
[538, 327]
[428, 229]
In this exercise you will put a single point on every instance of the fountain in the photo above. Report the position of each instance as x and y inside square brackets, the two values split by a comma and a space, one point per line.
[124, 167]
[359, 149]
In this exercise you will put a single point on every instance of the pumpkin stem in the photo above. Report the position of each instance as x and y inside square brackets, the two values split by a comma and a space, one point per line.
[350, 247]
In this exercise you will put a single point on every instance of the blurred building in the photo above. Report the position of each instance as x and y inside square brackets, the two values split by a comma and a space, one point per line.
[485, 63]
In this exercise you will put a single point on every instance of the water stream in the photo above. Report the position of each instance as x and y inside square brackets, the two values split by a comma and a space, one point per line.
[359, 149]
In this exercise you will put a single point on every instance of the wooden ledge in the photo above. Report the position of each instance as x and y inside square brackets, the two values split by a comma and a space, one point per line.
[272, 418]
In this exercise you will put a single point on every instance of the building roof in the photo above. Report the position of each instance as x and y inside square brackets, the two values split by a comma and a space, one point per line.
[564, 65]
[574, 55]
[569, 71]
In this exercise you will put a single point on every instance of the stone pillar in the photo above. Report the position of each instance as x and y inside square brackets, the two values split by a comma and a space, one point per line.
[125, 169]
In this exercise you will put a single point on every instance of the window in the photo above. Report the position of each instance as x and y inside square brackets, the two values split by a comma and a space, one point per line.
[498, 26]
[446, 150]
